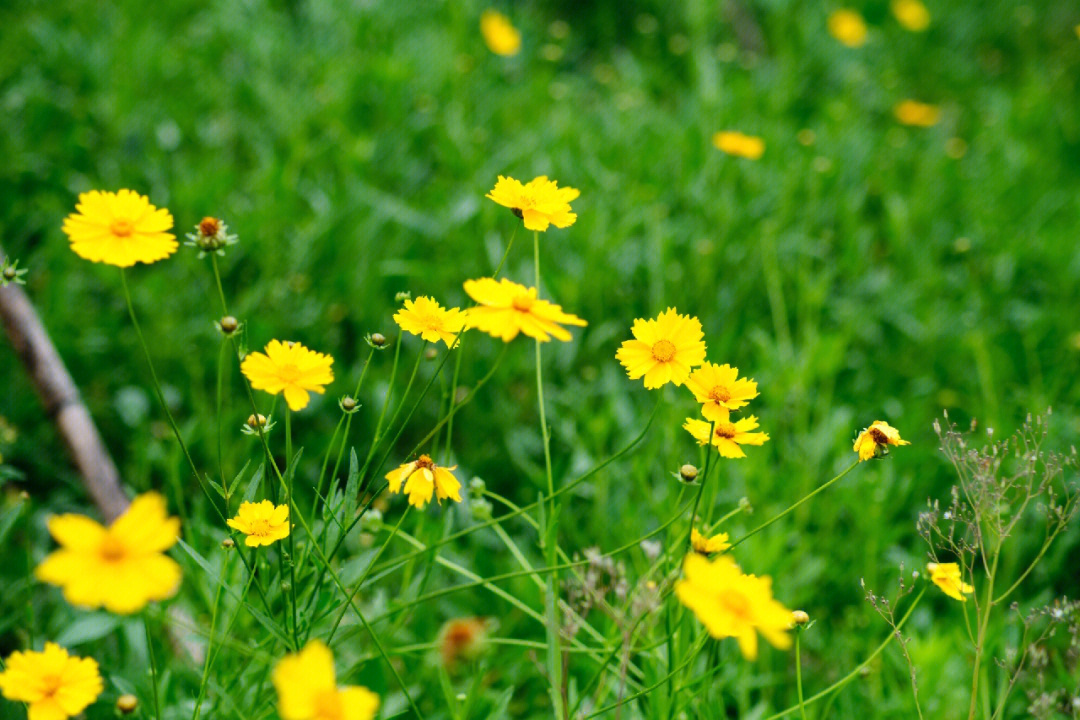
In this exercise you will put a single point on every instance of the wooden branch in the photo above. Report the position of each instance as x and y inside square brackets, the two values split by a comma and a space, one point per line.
[62, 402]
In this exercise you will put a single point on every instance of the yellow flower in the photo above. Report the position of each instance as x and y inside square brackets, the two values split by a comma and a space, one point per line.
[307, 689]
[119, 229]
[879, 435]
[426, 318]
[663, 350]
[947, 577]
[708, 545]
[912, 14]
[53, 684]
[540, 202]
[727, 435]
[422, 477]
[121, 567]
[730, 603]
[505, 308]
[848, 27]
[736, 143]
[911, 112]
[262, 522]
[291, 368]
[499, 33]
[717, 388]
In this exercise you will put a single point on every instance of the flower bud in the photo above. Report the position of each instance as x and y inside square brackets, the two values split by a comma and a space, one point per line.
[348, 404]
[745, 506]
[228, 544]
[799, 618]
[481, 509]
[403, 296]
[127, 704]
[9, 273]
[211, 236]
[286, 586]
[376, 341]
[256, 420]
[477, 487]
[688, 473]
[372, 520]
[228, 325]
[431, 353]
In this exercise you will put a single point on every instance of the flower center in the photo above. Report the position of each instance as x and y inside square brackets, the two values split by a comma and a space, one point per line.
[289, 373]
[523, 303]
[121, 228]
[209, 226]
[720, 394]
[663, 350]
[112, 550]
[260, 526]
[736, 604]
[878, 436]
[425, 461]
[725, 430]
[50, 684]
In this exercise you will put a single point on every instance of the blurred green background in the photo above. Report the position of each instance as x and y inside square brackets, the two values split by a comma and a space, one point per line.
[859, 270]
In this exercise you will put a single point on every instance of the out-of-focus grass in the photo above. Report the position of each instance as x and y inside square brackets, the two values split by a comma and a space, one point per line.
[865, 274]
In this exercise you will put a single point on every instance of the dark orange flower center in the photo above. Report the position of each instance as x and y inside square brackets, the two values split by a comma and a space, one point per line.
[524, 303]
[736, 604]
[50, 684]
[725, 430]
[112, 550]
[122, 228]
[663, 350]
[878, 436]
[209, 226]
[720, 394]
[425, 461]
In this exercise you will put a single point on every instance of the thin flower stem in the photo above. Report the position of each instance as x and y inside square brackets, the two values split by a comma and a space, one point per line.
[210, 643]
[701, 488]
[161, 395]
[386, 401]
[453, 398]
[1042, 551]
[290, 501]
[348, 423]
[798, 673]
[153, 666]
[217, 280]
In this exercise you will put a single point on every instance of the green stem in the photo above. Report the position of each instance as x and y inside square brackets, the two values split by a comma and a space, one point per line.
[453, 400]
[217, 280]
[798, 673]
[210, 644]
[290, 501]
[701, 490]
[153, 666]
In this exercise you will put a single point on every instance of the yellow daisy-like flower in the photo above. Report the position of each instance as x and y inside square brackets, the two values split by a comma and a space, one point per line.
[53, 684]
[880, 434]
[263, 523]
[426, 318]
[291, 368]
[663, 350]
[500, 35]
[307, 688]
[120, 229]
[719, 389]
[539, 202]
[912, 112]
[727, 436]
[738, 144]
[422, 478]
[912, 14]
[947, 577]
[708, 545]
[505, 308]
[121, 567]
[848, 27]
[730, 603]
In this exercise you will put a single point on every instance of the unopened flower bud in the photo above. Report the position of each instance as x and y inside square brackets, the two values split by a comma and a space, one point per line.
[228, 544]
[286, 586]
[481, 509]
[211, 236]
[403, 296]
[127, 704]
[799, 618]
[688, 473]
[228, 325]
[477, 487]
[256, 420]
[372, 520]
[348, 404]
[431, 353]
[745, 506]
[9, 273]
[376, 340]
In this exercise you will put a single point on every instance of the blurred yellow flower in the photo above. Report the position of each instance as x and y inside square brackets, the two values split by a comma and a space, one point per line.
[539, 202]
[719, 389]
[912, 14]
[879, 435]
[947, 577]
[730, 603]
[422, 477]
[500, 35]
[426, 318]
[708, 545]
[736, 143]
[120, 229]
[121, 567]
[848, 27]
[53, 684]
[663, 350]
[261, 522]
[462, 639]
[307, 688]
[290, 368]
[505, 308]
[727, 436]
[912, 112]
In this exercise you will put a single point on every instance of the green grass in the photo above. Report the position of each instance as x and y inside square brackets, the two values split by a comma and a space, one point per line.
[866, 275]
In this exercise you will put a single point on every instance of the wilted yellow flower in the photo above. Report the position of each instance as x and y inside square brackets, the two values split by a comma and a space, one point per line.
[426, 318]
[912, 112]
[736, 143]
[505, 308]
[912, 14]
[719, 389]
[947, 577]
[307, 688]
[120, 229]
[848, 27]
[53, 684]
[879, 435]
[730, 603]
[422, 477]
[500, 35]
[121, 567]
[291, 368]
[708, 545]
[261, 522]
[539, 202]
[663, 350]
[727, 436]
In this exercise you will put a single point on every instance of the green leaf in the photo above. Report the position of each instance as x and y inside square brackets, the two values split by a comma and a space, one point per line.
[236, 481]
[87, 629]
